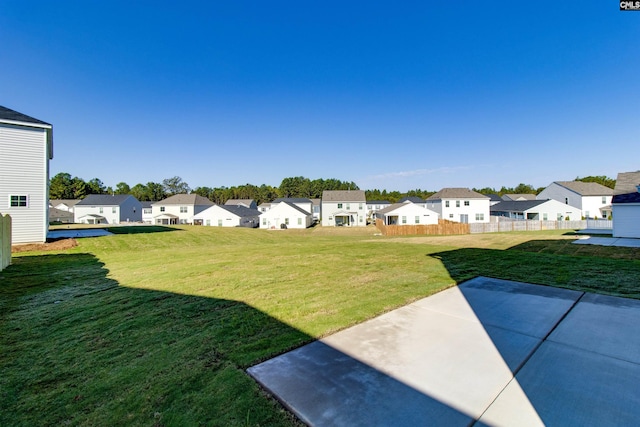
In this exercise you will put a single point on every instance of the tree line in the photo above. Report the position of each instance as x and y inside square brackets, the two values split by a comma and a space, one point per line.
[64, 186]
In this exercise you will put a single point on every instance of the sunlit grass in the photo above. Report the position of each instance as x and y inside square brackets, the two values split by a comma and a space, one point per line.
[158, 328]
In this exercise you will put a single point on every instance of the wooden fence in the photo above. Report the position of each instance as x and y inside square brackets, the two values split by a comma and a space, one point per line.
[443, 227]
[5, 241]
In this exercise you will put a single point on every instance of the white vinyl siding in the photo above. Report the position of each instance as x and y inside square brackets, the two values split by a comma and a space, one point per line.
[24, 171]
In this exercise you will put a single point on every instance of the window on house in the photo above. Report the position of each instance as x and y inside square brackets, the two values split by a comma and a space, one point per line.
[479, 217]
[566, 200]
[286, 221]
[339, 205]
[446, 204]
[100, 210]
[114, 209]
[208, 222]
[404, 219]
[161, 208]
[219, 223]
[545, 216]
[264, 221]
[360, 206]
[348, 206]
[18, 201]
[183, 209]
[450, 215]
[457, 203]
[604, 200]
[466, 203]
[417, 219]
[299, 221]
[559, 217]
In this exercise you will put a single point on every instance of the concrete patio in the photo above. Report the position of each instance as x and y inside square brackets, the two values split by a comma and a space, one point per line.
[487, 352]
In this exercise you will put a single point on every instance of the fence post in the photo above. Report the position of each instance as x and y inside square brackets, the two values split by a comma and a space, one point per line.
[5, 241]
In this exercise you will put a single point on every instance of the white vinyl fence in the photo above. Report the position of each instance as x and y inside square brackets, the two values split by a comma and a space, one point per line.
[5, 241]
[530, 225]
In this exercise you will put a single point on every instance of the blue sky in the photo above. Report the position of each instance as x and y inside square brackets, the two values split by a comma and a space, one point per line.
[417, 95]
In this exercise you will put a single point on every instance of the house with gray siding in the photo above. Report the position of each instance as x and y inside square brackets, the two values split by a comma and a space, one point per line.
[26, 147]
[626, 205]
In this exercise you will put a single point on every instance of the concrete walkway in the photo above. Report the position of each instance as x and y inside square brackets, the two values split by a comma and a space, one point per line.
[608, 241]
[489, 352]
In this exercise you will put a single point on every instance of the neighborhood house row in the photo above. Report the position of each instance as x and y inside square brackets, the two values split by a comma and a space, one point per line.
[26, 148]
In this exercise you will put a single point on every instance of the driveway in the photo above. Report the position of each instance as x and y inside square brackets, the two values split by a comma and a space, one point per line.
[486, 352]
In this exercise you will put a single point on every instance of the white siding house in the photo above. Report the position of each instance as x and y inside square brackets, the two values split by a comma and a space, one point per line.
[301, 202]
[26, 146]
[374, 206]
[107, 209]
[460, 205]
[593, 199]
[407, 213]
[536, 210]
[179, 209]
[286, 215]
[228, 216]
[346, 208]
[147, 212]
[626, 205]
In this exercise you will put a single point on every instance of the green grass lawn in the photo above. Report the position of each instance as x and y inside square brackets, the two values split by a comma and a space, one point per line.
[157, 328]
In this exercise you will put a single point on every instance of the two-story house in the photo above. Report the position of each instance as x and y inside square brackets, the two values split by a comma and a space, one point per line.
[108, 209]
[26, 146]
[626, 205]
[346, 208]
[179, 209]
[593, 199]
[460, 205]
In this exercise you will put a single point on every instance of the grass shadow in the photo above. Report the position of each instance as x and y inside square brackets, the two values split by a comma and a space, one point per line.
[141, 229]
[606, 270]
[79, 348]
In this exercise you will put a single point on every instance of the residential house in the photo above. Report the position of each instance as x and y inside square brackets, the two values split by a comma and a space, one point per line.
[346, 208]
[147, 212]
[374, 206]
[626, 205]
[63, 204]
[537, 210]
[593, 199]
[26, 147]
[518, 197]
[415, 200]
[60, 216]
[228, 216]
[179, 209]
[263, 207]
[247, 203]
[407, 213]
[317, 209]
[460, 205]
[301, 202]
[286, 214]
[494, 199]
[107, 209]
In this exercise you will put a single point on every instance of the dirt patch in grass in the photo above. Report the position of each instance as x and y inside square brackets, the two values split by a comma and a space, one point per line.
[56, 245]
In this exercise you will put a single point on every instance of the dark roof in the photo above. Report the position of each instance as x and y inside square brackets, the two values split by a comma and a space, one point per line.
[412, 199]
[494, 197]
[378, 202]
[146, 205]
[626, 182]
[9, 114]
[457, 193]
[292, 200]
[516, 205]
[241, 211]
[626, 198]
[104, 200]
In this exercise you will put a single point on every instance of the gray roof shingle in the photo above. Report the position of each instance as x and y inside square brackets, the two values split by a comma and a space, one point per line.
[457, 193]
[103, 200]
[185, 199]
[586, 188]
[14, 116]
[344, 196]
[626, 182]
